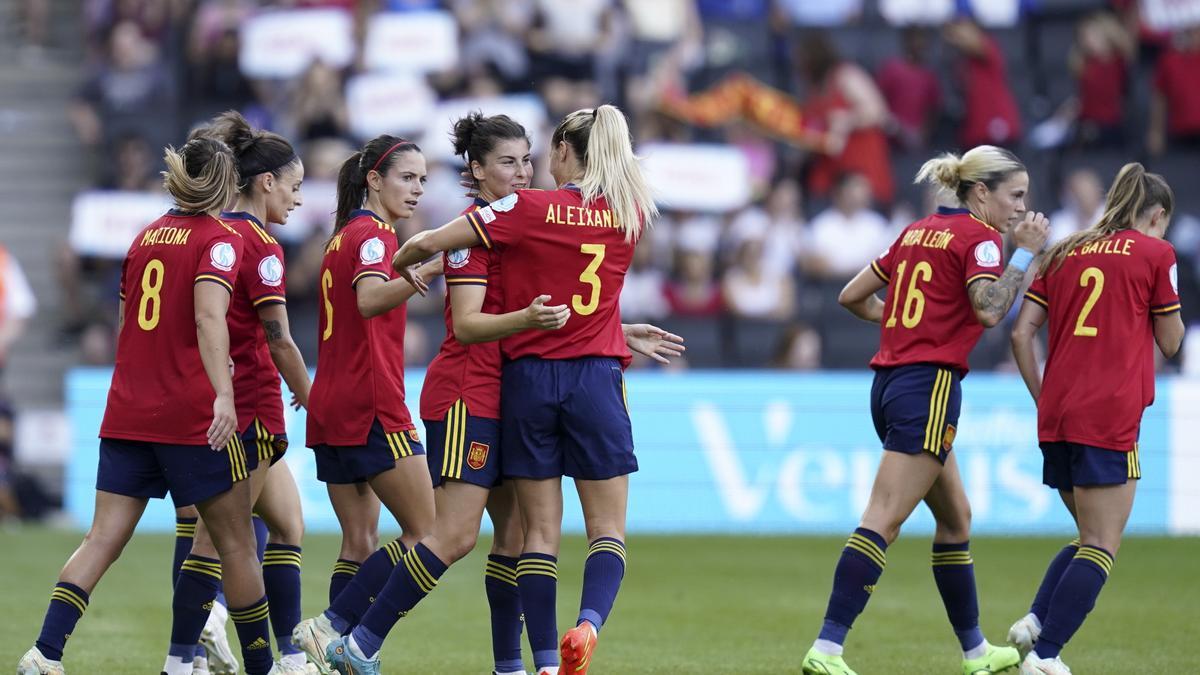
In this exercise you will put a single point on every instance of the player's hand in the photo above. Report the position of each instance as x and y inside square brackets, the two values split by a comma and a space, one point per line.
[546, 317]
[410, 274]
[653, 342]
[467, 180]
[1031, 233]
[224, 423]
[434, 267]
[299, 402]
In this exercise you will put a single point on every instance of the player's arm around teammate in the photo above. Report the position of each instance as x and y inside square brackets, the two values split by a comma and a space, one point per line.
[1109, 294]
[943, 290]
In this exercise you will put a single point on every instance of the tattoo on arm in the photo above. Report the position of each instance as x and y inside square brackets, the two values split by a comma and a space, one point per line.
[274, 330]
[995, 298]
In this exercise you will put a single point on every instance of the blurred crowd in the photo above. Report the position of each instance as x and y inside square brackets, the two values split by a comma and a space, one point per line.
[846, 107]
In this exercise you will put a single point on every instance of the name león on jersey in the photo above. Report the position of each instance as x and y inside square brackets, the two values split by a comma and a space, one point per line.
[166, 236]
[1106, 246]
[565, 214]
[928, 238]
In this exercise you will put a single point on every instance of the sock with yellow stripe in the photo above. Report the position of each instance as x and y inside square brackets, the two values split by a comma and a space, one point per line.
[281, 577]
[68, 602]
[854, 579]
[504, 601]
[343, 571]
[348, 608]
[199, 581]
[185, 533]
[1041, 601]
[1074, 597]
[537, 579]
[954, 574]
[410, 582]
[602, 574]
[254, 634]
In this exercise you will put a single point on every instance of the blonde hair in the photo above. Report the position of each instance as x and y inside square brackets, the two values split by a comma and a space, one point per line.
[1133, 193]
[201, 176]
[985, 164]
[601, 141]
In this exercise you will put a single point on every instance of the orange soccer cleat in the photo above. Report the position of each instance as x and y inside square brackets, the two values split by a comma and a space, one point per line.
[576, 649]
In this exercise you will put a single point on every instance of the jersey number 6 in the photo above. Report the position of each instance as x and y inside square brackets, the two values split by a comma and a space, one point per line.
[589, 277]
[914, 299]
[326, 285]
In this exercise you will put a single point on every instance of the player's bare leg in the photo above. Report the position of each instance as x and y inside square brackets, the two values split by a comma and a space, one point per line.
[113, 523]
[459, 508]
[407, 492]
[357, 511]
[901, 482]
[541, 506]
[508, 529]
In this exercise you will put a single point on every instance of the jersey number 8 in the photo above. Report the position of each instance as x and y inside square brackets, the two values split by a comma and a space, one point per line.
[150, 306]
[914, 299]
[589, 276]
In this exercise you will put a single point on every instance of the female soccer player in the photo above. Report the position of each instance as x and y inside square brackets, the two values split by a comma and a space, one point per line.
[171, 420]
[944, 287]
[562, 391]
[261, 347]
[1110, 294]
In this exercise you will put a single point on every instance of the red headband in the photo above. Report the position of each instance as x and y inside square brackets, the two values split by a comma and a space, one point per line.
[384, 155]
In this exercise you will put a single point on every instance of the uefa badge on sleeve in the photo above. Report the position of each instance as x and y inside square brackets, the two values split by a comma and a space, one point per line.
[371, 251]
[222, 256]
[270, 270]
[987, 254]
[457, 258]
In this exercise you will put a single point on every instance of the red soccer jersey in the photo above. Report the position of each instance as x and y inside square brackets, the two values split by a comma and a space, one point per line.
[991, 110]
[927, 316]
[467, 372]
[160, 392]
[1177, 78]
[256, 388]
[550, 244]
[1100, 369]
[360, 362]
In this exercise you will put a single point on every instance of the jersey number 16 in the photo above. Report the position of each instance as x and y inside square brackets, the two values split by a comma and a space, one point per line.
[914, 299]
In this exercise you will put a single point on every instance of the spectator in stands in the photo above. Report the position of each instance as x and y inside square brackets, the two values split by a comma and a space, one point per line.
[824, 13]
[751, 290]
[798, 349]
[843, 101]
[1100, 60]
[317, 108]
[911, 89]
[779, 224]
[846, 236]
[493, 34]
[17, 303]
[134, 166]
[216, 83]
[693, 291]
[990, 110]
[1082, 204]
[564, 42]
[1175, 103]
[33, 17]
[642, 297]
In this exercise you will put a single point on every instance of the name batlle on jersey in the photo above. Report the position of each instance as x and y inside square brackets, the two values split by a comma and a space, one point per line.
[939, 239]
[1106, 246]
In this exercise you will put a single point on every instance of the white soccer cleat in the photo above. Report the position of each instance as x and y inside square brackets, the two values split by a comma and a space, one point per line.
[200, 666]
[1024, 633]
[33, 663]
[313, 636]
[1032, 665]
[221, 660]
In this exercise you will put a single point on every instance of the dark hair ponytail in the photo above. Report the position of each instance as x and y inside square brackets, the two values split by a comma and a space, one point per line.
[377, 155]
[257, 151]
[475, 136]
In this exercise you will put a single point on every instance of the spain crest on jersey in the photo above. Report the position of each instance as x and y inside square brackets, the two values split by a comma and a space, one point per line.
[477, 455]
[413, 435]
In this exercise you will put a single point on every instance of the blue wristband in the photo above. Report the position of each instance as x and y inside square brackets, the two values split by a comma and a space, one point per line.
[1021, 259]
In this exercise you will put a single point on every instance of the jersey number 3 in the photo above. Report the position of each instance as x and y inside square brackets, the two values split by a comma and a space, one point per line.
[914, 299]
[150, 306]
[589, 277]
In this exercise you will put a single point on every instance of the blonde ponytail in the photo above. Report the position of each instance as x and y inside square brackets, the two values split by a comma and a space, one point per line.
[985, 164]
[201, 176]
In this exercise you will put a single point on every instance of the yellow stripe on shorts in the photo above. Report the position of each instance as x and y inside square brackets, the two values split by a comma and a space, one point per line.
[939, 399]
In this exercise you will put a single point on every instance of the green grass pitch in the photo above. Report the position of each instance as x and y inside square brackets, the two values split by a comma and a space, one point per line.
[688, 605]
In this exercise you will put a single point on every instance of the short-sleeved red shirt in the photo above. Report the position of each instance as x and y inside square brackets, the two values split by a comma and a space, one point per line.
[550, 244]
[1100, 368]
[1102, 90]
[470, 373]
[261, 282]
[1177, 78]
[360, 362]
[160, 392]
[991, 109]
[927, 316]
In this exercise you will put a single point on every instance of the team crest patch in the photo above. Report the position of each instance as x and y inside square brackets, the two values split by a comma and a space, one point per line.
[458, 257]
[413, 436]
[1174, 275]
[477, 455]
[948, 438]
[270, 270]
[281, 445]
[222, 256]
[371, 251]
[504, 203]
[987, 254]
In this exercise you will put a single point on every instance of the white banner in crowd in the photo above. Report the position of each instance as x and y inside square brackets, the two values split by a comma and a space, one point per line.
[283, 44]
[386, 103]
[1170, 14]
[104, 222]
[418, 42]
[697, 177]
[990, 13]
[526, 109]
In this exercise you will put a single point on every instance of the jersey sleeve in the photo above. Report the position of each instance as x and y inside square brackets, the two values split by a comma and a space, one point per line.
[467, 266]
[1037, 292]
[221, 258]
[882, 266]
[263, 275]
[503, 222]
[984, 259]
[373, 253]
[1164, 290]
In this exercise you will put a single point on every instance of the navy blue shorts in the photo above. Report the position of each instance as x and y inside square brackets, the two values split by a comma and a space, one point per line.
[565, 418]
[1066, 465]
[343, 464]
[191, 473]
[915, 408]
[266, 446]
[463, 447]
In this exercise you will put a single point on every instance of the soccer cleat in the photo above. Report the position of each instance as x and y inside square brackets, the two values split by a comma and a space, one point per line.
[996, 660]
[1024, 634]
[200, 666]
[221, 660]
[342, 659]
[313, 636]
[819, 663]
[1032, 665]
[33, 663]
[576, 649]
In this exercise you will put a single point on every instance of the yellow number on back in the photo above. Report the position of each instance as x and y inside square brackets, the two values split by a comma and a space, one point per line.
[914, 299]
[326, 285]
[1089, 275]
[150, 306]
[590, 277]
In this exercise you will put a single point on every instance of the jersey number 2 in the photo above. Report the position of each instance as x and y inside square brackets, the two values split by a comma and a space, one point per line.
[150, 306]
[1091, 274]
[589, 277]
[914, 299]
[326, 285]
